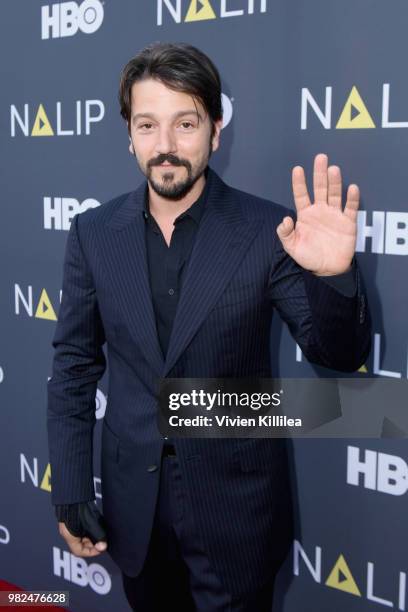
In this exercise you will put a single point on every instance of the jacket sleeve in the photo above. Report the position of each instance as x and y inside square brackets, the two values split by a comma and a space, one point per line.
[346, 282]
[79, 362]
[331, 325]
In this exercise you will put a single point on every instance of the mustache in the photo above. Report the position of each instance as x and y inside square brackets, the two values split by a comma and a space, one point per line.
[171, 159]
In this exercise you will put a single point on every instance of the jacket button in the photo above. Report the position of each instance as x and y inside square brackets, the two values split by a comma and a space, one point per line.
[152, 468]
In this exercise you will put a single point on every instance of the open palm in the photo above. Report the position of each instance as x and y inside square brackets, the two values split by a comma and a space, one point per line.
[323, 239]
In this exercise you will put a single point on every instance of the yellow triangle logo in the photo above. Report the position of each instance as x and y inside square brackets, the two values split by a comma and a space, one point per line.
[341, 578]
[42, 127]
[354, 114]
[44, 308]
[363, 369]
[46, 481]
[200, 10]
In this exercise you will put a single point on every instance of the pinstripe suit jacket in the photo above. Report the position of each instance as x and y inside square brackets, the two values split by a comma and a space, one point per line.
[238, 275]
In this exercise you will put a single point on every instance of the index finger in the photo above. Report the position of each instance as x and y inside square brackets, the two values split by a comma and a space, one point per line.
[299, 187]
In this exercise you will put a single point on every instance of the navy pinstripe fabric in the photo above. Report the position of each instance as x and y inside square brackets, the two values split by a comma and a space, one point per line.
[238, 274]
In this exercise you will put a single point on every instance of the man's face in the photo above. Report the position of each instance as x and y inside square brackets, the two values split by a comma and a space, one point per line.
[171, 135]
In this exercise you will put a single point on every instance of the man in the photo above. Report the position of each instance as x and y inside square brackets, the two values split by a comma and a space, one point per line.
[180, 279]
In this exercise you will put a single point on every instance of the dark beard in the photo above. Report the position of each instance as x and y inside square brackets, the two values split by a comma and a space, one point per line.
[167, 189]
[170, 190]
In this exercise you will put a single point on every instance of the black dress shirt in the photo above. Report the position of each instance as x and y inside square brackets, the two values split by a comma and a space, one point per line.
[167, 267]
[168, 264]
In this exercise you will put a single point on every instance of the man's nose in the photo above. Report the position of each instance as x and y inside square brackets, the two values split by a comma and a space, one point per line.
[166, 142]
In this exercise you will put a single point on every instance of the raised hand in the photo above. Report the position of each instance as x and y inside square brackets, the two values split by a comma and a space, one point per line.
[323, 239]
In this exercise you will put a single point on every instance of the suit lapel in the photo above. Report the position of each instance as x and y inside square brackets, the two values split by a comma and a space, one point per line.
[222, 239]
[129, 276]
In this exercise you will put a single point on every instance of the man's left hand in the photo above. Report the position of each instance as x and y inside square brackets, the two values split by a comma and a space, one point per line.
[323, 239]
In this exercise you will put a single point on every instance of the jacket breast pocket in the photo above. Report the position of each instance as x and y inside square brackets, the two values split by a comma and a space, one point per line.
[238, 292]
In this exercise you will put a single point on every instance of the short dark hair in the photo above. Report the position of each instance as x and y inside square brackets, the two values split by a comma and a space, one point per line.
[180, 67]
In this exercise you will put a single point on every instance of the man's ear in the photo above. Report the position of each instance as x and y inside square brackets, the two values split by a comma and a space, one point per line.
[215, 140]
[131, 147]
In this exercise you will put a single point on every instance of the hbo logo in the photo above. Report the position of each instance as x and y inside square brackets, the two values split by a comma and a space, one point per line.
[76, 570]
[66, 18]
[379, 471]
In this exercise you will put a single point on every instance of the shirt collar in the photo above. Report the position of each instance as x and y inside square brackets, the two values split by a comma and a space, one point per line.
[195, 211]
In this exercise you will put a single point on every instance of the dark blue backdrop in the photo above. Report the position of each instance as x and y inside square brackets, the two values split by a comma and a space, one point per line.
[299, 78]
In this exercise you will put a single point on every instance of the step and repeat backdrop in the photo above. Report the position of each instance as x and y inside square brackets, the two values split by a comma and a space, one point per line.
[298, 78]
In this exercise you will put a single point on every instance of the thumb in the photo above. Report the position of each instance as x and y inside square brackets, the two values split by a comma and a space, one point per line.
[285, 229]
[93, 524]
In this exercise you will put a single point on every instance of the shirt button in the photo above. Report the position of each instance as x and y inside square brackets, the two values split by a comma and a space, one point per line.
[171, 291]
[152, 468]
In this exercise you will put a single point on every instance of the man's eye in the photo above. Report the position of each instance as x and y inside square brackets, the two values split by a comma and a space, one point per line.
[187, 124]
[145, 126]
